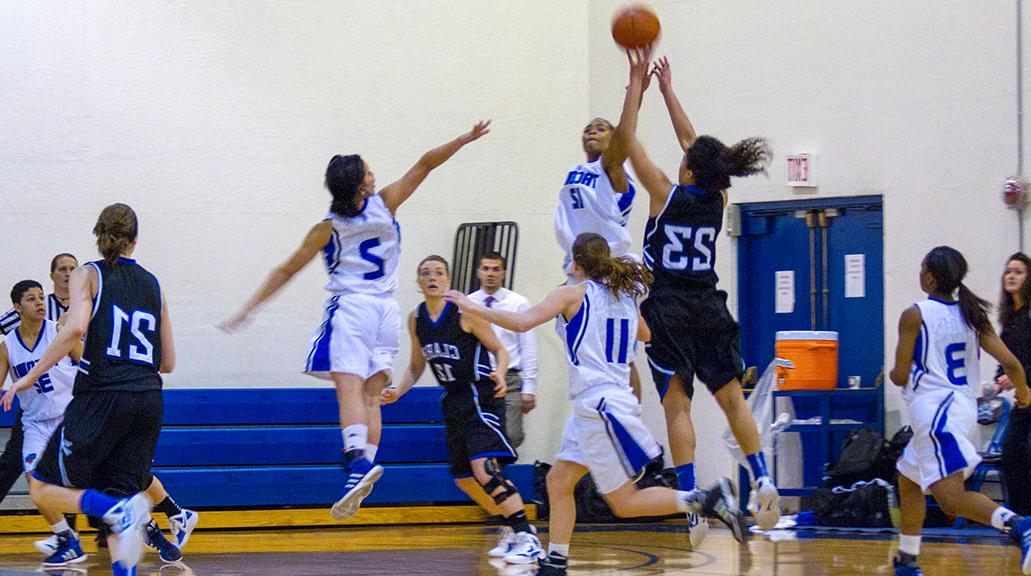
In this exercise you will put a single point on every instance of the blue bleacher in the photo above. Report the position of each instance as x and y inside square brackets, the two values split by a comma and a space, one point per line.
[253, 448]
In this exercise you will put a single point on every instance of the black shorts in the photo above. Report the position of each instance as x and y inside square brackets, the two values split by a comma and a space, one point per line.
[474, 427]
[106, 442]
[692, 335]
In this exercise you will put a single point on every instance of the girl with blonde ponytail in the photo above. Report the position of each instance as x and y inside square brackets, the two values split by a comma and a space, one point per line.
[599, 321]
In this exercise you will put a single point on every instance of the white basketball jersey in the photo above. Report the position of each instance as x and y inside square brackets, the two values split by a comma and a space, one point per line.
[601, 339]
[589, 203]
[362, 254]
[48, 396]
[947, 352]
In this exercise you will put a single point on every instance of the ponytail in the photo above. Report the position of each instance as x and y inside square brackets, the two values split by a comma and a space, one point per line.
[712, 163]
[948, 268]
[974, 309]
[620, 275]
[115, 230]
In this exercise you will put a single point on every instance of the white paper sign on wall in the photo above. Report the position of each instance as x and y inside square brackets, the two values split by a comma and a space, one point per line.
[800, 171]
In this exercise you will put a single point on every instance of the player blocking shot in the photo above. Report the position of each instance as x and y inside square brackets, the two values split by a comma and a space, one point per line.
[604, 434]
[355, 345]
[456, 347]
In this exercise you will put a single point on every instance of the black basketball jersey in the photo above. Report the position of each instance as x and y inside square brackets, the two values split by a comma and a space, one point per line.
[680, 243]
[123, 343]
[456, 357]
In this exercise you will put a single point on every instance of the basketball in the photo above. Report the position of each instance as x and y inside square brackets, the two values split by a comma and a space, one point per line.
[635, 26]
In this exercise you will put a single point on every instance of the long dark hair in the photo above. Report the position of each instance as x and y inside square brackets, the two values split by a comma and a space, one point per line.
[116, 229]
[948, 268]
[344, 176]
[620, 275]
[712, 163]
[1007, 308]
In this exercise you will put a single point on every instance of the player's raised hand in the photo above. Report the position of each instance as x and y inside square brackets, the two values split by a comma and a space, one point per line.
[639, 59]
[661, 70]
[234, 323]
[480, 129]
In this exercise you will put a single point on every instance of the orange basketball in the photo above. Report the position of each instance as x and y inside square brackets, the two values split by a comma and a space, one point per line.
[635, 26]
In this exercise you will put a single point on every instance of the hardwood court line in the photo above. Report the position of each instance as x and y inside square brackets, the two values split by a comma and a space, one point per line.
[292, 518]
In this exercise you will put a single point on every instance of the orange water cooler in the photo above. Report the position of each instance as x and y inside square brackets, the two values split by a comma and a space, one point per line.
[807, 360]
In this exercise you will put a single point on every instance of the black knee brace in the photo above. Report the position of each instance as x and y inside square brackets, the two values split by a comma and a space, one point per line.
[497, 480]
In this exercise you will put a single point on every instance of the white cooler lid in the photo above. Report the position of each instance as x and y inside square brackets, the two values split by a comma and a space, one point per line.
[807, 335]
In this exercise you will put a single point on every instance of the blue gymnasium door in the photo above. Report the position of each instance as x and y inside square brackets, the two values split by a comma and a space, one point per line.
[814, 239]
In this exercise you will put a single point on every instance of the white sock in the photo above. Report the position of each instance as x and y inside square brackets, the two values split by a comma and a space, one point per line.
[370, 452]
[688, 501]
[909, 544]
[1000, 516]
[560, 549]
[61, 526]
[356, 436]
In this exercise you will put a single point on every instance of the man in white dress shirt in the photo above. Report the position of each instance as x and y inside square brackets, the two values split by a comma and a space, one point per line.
[521, 397]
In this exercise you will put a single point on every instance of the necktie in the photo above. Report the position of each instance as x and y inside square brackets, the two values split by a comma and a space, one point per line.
[489, 302]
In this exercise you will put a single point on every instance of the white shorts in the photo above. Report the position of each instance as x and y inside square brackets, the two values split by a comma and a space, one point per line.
[605, 434]
[37, 434]
[943, 426]
[359, 335]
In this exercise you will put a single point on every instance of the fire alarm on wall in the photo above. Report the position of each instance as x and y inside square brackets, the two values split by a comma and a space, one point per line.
[1014, 193]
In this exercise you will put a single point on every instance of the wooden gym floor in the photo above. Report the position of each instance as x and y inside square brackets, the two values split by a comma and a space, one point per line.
[636, 550]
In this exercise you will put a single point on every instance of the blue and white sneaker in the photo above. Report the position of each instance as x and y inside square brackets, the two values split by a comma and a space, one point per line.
[361, 476]
[1022, 534]
[168, 552]
[506, 542]
[181, 525]
[128, 520]
[49, 545]
[68, 552]
[906, 569]
[527, 549]
[697, 529]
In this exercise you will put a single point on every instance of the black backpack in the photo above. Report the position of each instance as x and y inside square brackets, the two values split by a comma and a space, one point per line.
[869, 504]
[866, 455]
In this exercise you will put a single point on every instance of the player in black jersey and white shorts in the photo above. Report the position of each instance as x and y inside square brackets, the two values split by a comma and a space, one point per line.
[110, 428]
[456, 347]
[693, 333]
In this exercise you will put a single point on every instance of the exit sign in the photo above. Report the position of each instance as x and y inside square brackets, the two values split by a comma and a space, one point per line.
[800, 171]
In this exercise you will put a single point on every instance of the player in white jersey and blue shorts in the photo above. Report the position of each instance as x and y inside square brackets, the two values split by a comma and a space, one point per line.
[604, 434]
[936, 363]
[355, 345]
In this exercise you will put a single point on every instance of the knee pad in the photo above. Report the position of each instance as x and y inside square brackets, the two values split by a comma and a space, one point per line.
[497, 480]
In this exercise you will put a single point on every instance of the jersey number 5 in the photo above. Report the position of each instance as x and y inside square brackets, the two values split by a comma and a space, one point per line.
[142, 351]
[677, 254]
[365, 249]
